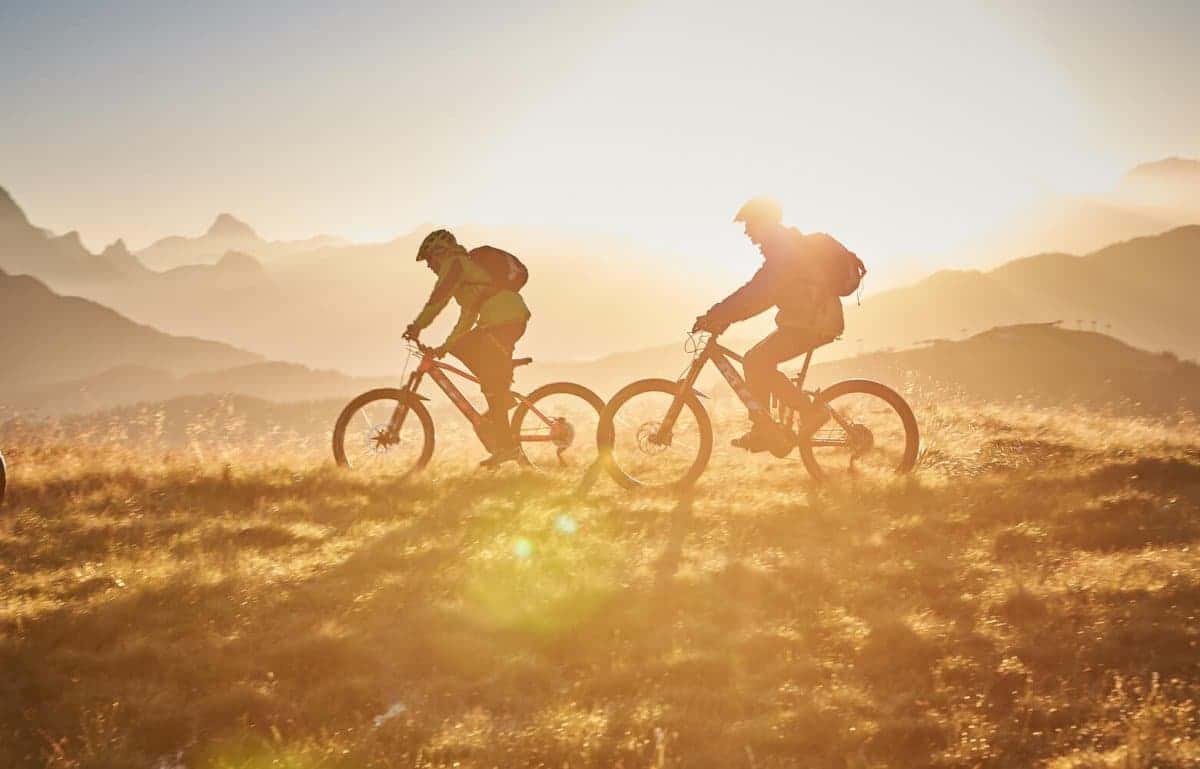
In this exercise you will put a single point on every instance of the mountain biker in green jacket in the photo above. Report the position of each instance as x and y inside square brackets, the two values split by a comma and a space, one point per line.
[809, 315]
[490, 322]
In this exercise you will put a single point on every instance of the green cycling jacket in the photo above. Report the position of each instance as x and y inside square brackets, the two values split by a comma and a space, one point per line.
[483, 306]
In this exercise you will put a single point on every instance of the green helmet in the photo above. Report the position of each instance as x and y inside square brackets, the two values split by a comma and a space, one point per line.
[765, 210]
[436, 243]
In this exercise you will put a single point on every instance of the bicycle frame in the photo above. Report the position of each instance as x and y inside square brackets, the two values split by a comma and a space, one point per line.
[438, 372]
[721, 357]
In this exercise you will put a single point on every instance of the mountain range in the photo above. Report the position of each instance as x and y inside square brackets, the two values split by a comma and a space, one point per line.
[72, 355]
[328, 304]
[1036, 364]
[66, 354]
[1142, 291]
[1148, 199]
[26, 249]
[51, 338]
[225, 234]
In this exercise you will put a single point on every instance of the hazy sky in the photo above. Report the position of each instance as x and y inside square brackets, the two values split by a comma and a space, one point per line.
[901, 127]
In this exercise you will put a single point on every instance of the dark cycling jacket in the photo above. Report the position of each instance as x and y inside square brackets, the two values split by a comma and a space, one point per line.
[789, 279]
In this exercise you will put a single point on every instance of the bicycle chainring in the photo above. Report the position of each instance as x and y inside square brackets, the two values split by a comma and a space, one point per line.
[861, 439]
[562, 434]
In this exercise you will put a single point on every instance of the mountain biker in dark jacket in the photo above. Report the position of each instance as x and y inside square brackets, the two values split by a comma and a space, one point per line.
[810, 314]
[490, 322]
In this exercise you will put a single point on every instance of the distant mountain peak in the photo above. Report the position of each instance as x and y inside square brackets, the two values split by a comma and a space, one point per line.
[117, 248]
[1170, 168]
[229, 226]
[71, 239]
[239, 261]
[10, 212]
[118, 256]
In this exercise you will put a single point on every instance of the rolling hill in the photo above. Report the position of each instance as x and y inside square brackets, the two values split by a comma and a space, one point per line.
[1140, 290]
[1033, 364]
[64, 354]
[50, 338]
[132, 384]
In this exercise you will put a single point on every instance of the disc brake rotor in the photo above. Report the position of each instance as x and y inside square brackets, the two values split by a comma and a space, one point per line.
[647, 439]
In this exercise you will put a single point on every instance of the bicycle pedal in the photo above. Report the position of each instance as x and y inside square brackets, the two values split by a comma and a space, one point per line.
[783, 445]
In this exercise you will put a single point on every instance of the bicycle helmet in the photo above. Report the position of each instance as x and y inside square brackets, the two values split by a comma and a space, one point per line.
[761, 209]
[436, 243]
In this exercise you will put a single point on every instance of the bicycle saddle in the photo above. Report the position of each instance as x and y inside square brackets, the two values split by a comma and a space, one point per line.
[522, 362]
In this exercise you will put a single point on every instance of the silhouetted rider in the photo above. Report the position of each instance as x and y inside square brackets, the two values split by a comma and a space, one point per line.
[810, 313]
[489, 324]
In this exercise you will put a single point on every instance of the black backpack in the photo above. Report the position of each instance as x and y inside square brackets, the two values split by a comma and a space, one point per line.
[841, 267]
[506, 271]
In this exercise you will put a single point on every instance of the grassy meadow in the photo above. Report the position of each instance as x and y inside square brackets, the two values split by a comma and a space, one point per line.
[1031, 597]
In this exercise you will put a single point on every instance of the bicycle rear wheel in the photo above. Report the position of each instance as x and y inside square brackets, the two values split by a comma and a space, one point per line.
[555, 426]
[637, 455]
[871, 432]
[363, 440]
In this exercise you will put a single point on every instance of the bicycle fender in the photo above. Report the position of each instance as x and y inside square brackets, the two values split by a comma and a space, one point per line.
[696, 392]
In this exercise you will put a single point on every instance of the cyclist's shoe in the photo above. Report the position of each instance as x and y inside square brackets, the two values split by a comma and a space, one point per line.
[500, 456]
[757, 440]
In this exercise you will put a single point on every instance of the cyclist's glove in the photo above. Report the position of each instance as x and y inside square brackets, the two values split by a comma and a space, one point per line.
[705, 323]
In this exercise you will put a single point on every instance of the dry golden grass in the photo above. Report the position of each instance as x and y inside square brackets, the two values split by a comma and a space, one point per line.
[1030, 598]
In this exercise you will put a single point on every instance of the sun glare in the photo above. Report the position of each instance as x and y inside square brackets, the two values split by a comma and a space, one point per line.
[872, 125]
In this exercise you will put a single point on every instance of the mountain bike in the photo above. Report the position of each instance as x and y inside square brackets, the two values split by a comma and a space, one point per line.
[390, 429]
[656, 434]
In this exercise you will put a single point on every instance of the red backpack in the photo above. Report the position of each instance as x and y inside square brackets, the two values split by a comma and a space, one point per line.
[842, 269]
[506, 271]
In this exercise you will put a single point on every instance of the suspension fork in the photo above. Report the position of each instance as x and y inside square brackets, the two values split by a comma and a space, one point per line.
[686, 385]
[402, 408]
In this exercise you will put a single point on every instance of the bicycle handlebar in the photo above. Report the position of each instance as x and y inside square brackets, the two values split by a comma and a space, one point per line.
[419, 347]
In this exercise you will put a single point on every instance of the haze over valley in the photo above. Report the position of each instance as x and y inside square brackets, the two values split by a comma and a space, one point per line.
[327, 303]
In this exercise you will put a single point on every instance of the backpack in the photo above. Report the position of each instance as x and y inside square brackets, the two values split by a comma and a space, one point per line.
[841, 268]
[506, 271]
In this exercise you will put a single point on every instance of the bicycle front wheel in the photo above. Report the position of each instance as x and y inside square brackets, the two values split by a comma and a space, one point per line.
[871, 431]
[364, 439]
[555, 426]
[638, 452]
